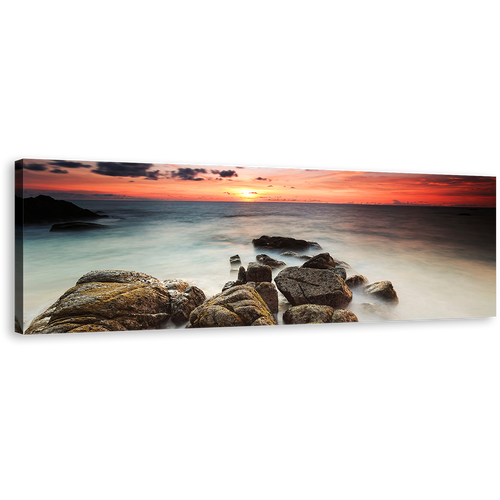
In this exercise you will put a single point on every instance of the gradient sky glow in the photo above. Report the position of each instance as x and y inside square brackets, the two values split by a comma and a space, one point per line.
[80, 180]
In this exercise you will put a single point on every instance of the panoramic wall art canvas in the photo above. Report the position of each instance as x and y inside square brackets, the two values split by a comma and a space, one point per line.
[112, 246]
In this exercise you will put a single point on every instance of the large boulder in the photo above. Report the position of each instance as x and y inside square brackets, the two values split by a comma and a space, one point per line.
[269, 261]
[107, 301]
[382, 290]
[313, 286]
[320, 261]
[284, 243]
[238, 306]
[268, 293]
[259, 272]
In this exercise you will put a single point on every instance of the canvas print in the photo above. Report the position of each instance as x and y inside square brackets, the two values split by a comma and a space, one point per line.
[111, 246]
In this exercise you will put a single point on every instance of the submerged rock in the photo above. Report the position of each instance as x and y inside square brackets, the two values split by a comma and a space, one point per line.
[283, 243]
[235, 260]
[238, 306]
[356, 281]
[382, 290]
[269, 261]
[313, 286]
[242, 275]
[107, 301]
[290, 253]
[376, 311]
[320, 261]
[77, 226]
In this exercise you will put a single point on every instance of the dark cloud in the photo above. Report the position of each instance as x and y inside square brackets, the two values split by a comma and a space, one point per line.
[115, 169]
[240, 167]
[225, 173]
[154, 176]
[397, 202]
[270, 186]
[68, 164]
[36, 167]
[262, 179]
[253, 192]
[59, 171]
[292, 187]
[189, 174]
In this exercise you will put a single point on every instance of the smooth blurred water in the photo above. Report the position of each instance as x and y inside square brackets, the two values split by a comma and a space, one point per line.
[441, 264]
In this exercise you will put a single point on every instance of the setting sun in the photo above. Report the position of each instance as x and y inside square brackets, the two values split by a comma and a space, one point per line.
[247, 195]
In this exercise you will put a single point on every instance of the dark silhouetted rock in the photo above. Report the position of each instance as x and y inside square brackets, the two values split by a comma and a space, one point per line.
[77, 226]
[45, 210]
[313, 286]
[18, 328]
[242, 275]
[283, 243]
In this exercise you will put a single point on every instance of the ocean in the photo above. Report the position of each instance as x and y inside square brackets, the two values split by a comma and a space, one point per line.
[441, 264]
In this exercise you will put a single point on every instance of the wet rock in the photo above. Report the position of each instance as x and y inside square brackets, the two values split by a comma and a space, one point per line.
[235, 260]
[185, 302]
[268, 293]
[308, 313]
[238, 306]
[283, 243]
[259, 272]
[376, 311]
[313, 286]
[382, 290]
[230, 284]
[107, 301]
[175, 286]
[340, 271]
[269, 261]
[77, 226]
[343, 316]
[356, 281]
[242, 275]
[320, 261]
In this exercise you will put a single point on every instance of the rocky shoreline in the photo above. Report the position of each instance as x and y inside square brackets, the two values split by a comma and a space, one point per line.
[320, 290]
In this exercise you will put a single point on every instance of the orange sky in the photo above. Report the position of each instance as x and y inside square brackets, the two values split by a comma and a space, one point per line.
[73, 180]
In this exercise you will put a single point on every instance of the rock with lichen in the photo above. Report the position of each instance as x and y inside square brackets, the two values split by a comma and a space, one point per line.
[343, 316]
[259, 272]
[107, 301]
[237, 306]
[308, 313]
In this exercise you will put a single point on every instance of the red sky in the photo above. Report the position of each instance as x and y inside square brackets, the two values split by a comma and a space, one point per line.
[73, 180]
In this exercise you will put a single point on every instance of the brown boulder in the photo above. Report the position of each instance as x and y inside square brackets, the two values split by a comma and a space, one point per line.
[343, 316]
[269, 261]
[259, 272]
[238, 306]
[356, 281]
[382, 290]
[320, 261]
[308, 313]
[107, 301]
[185, 302]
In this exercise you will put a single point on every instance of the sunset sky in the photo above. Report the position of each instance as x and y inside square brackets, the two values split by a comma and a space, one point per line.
[86, 180]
